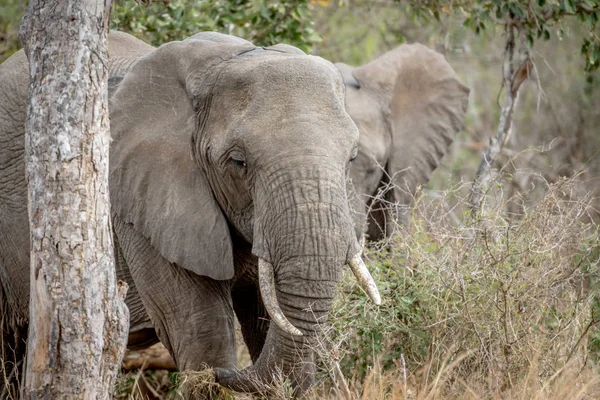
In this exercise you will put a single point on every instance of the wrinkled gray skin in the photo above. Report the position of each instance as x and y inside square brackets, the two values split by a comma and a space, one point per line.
[408, 105]
[222, 152]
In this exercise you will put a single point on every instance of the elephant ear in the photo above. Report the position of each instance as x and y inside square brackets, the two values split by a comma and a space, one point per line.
[154, 183]
[427, 104]
[348, 75]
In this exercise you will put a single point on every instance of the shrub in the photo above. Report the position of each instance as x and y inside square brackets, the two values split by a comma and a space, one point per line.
[504, 301]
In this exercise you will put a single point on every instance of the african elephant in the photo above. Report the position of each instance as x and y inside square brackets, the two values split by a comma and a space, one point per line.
[408, 105]
[228, 172]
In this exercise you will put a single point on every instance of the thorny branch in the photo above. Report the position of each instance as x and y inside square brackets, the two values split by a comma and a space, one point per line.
[512, 80]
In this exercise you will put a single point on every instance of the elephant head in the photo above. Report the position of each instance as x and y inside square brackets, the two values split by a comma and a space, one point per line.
[408, 105]
[214, 135]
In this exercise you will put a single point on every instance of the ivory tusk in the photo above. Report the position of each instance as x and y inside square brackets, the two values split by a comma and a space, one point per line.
[364, 278]
[266, 281]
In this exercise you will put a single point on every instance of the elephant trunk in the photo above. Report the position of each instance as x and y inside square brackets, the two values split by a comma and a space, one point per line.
[287, 355]
[269, 293]
[302, 249]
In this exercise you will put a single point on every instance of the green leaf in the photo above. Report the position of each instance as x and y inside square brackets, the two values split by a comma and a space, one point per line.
[594, 55]
[569, 7]
[468, 23]
[517, 10]
[585, 46]
[530, 39]
[498, 13]
[592, 3]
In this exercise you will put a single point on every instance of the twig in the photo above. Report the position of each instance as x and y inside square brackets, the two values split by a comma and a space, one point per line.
[341, 381]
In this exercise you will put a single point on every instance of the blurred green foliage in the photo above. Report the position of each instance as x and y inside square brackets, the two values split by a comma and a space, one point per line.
[533, 19]
[262, 22]
[358, 31]
[11, 12]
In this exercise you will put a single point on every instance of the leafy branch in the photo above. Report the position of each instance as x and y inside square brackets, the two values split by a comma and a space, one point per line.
[263, 22]
[535, 19]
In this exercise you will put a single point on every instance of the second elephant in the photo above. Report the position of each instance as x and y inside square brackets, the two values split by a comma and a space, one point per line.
[408, 105]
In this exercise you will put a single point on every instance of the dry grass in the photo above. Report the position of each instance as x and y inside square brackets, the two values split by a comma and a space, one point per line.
[569, 383]
[503, 307]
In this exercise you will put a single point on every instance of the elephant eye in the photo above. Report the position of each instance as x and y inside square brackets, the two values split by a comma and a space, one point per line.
[239, 163]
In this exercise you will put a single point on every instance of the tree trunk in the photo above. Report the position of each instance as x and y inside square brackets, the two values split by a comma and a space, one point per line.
[512, 79]
[78, 321]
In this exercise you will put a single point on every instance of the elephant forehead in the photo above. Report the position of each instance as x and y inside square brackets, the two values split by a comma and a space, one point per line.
[280, 76]
[295, 95]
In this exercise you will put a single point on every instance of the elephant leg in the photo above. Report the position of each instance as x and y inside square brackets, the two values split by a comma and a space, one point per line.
[14, 299]
[386, 217]
[247, 301]
[192, 314]
[141, 330]
[384, 212]
[251, 314]
[380, 221]
[13, 337]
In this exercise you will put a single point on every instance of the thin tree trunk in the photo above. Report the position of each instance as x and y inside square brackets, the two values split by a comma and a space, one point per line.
[78, 321]
[512, 80]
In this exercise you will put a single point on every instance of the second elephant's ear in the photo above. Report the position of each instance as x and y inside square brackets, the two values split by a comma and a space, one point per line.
[154, 182]
[427, 104]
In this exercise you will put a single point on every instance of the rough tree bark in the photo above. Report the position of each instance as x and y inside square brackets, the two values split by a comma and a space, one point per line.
[513, 76]
[78, 320]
